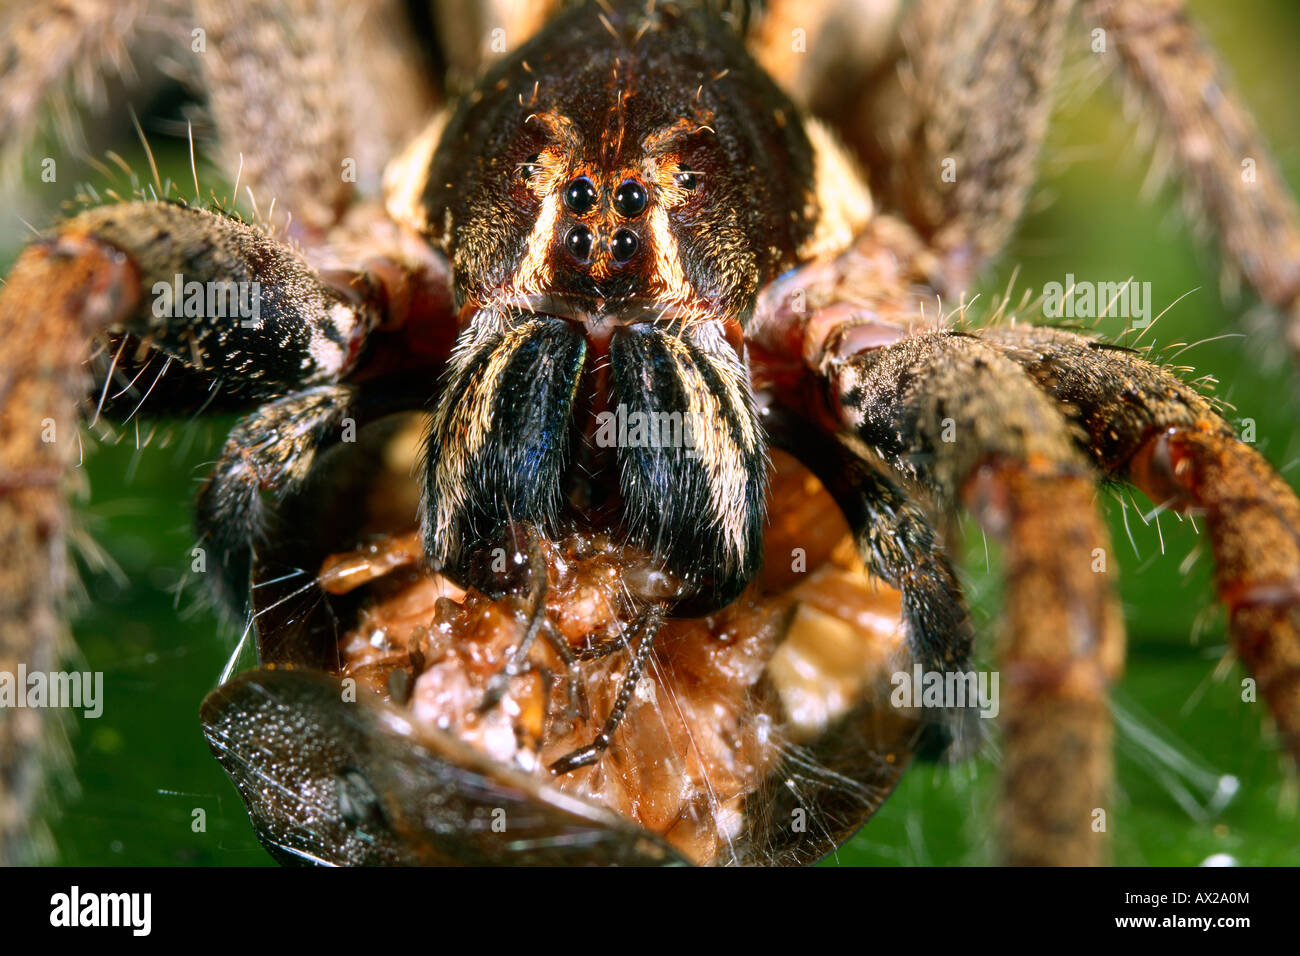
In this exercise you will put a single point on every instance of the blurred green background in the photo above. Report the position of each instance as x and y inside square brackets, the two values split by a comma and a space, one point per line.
[143, 769]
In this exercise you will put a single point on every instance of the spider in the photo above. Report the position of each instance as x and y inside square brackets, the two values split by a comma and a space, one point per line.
[659, 339]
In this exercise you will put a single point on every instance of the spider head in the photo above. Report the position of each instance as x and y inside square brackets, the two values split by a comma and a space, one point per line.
[609, 202]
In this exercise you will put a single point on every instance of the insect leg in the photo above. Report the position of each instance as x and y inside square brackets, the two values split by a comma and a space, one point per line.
[645, 627]
[500, 681]
[578, 703]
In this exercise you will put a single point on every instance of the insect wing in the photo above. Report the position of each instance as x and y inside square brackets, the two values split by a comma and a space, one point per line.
[332, 782]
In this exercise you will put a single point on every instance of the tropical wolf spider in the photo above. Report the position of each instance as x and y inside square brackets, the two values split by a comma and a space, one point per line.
[595, 642]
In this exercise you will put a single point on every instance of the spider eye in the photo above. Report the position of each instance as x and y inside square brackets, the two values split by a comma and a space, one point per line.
[528, 168]
[623, 246]
[630, 199]
[686, 178]
[580, 195]
[578, 242]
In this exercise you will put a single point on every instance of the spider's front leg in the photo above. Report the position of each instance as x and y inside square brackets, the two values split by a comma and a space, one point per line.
[154, 272]
[949, 418]
[953, 416]
[898, 545]
[272, 450]
[1144, 425]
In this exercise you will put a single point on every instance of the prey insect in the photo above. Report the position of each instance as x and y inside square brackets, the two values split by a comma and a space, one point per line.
[567, 641]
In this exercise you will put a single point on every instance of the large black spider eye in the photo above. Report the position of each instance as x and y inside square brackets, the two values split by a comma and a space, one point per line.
[630, 199]
[580, 195]
[578, 242]
[528, 168]
[686, 177]
[624, 244]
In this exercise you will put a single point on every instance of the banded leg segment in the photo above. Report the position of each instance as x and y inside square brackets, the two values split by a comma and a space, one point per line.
[1228, 171]
[98, 274]
[950, 414]
[56, 296]
[1143, 424]
[953, 137]
[309, 98]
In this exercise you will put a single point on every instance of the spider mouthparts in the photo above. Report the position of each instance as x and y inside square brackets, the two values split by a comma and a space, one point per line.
[598, 317]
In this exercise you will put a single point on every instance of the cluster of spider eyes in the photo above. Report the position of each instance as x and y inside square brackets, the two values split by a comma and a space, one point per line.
[630, 200]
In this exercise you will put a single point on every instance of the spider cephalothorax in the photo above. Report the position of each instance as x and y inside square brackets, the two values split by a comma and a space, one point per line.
[608, 240]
